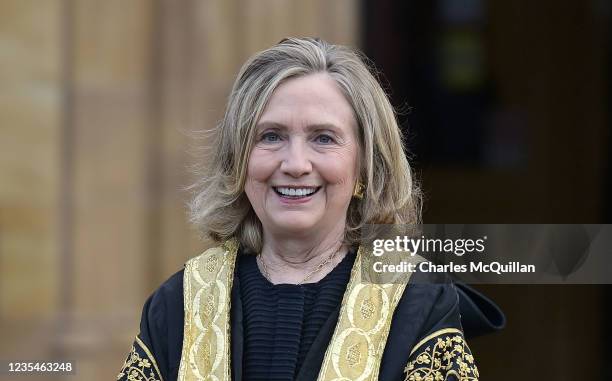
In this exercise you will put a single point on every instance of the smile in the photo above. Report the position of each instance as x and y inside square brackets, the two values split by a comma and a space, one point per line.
[295, 192]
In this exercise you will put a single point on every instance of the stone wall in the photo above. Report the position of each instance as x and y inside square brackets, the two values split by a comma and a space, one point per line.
[97, 104]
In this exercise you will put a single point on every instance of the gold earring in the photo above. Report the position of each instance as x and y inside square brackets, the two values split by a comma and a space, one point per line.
[358, 191]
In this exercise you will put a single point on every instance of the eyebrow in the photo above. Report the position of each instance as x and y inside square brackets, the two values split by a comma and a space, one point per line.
[316, 126]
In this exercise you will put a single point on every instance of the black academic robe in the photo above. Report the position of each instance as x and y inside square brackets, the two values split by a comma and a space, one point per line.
[426, 336]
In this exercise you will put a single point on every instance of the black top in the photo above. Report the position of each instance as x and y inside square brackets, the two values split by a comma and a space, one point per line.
[282, 321]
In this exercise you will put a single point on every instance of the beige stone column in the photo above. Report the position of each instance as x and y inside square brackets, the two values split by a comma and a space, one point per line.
[98, 105]
[30, 131]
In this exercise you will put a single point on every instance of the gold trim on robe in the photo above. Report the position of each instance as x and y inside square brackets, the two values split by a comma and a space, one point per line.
[442, 355]
[358, 343]
[207, 285]
[356, 347]
[140, 364]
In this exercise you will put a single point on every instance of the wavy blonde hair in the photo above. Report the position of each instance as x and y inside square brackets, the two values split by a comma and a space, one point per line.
[220, 207]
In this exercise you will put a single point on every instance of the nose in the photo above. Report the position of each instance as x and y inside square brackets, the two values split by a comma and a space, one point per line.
[296, 161]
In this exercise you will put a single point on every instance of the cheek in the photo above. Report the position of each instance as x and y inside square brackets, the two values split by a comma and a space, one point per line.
[341, 173]
[256, 194]
[259, 170]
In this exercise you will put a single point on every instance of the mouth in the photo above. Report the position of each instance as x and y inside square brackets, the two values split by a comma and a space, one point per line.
[295, 192]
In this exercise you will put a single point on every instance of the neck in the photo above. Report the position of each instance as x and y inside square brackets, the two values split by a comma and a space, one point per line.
[291, 259]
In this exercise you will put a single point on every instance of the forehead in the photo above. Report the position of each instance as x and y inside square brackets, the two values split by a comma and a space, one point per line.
[311, 99]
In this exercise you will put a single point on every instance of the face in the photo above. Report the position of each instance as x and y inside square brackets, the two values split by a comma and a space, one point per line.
[303, 166]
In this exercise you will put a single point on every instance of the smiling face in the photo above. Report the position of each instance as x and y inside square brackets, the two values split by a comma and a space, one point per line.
[303, 166]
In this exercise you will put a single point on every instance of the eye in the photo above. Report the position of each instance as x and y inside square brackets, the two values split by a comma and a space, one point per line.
[270, 137]
[324, 139]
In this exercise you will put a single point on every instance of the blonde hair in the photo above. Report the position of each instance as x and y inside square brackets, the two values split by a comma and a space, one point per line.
[220, 207]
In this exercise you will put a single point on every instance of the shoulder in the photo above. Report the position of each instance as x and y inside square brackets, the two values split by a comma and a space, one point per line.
[429, 318]
[171, 287]
[440, 349]
[161, 333]
[161, 326]
[426, 309]
[166, 299]
[430, 302]
[162, 314]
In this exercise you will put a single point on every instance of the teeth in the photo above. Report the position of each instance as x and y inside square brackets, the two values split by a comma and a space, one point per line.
[299, 192]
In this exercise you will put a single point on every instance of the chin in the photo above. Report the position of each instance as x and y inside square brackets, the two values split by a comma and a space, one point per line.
[295, 225]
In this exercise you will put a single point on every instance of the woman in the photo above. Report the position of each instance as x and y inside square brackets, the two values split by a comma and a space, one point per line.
[308, 152]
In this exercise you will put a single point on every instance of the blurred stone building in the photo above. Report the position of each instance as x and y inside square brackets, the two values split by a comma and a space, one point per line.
[97, 105]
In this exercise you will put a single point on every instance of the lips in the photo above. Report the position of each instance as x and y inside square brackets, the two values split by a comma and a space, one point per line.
[295, 192]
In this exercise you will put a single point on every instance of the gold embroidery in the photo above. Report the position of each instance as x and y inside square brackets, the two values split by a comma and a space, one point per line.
[207, 285]
[358, 342]
[137, 368]
[367, 309]
[446, 353]
[209, 305]
[353, 355]
[206, 355]
[211, 264]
